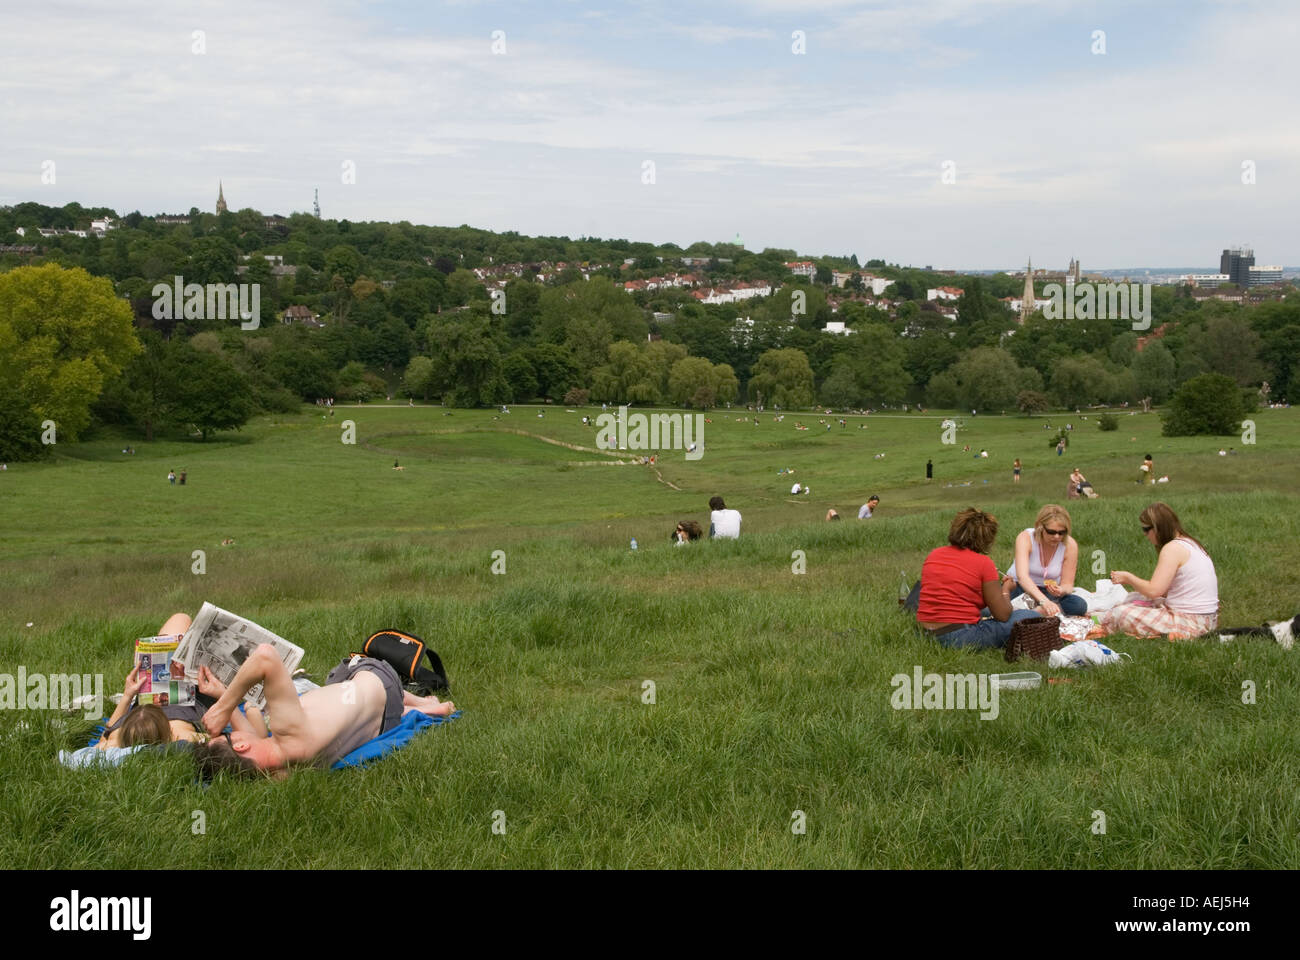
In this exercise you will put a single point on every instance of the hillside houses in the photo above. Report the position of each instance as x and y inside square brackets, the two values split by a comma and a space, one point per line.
[741, 290]
[877, 285]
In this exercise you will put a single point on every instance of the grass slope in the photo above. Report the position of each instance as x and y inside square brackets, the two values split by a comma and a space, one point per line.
[771, 688]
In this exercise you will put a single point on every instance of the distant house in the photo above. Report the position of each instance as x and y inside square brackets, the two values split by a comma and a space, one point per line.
[944, 293]
[836, 327]
[877, 285]
[802, 268]
[171, 220]
[21, 250]
[302, 315]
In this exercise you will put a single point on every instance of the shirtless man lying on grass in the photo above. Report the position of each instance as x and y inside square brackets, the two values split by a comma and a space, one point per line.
[361, 699]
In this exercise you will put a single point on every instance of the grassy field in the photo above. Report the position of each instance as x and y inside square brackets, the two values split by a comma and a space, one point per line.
[772, 689]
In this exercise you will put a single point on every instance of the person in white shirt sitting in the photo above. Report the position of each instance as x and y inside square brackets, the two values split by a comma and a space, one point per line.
[869, 507]
[724, 524]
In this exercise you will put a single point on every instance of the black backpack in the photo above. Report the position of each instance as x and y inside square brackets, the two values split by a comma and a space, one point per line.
[403, 652]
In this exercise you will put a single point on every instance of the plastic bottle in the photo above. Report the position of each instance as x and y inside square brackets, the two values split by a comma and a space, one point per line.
[903, 588]
[634, 543]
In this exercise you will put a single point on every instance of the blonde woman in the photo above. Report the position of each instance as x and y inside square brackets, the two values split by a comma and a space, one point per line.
[1047, 558]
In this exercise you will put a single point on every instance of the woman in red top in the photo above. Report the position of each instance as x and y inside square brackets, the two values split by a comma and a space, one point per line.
[962, 602]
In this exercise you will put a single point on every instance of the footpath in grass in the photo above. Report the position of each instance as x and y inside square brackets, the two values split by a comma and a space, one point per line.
[771, 689]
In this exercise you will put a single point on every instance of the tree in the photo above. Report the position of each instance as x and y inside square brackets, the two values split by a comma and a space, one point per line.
[841, 389]
[783, 377]
[419, 377]
[691, 378]
[1154, 369]
[147, 391]
[467, 364]
[986, 378]
[519, 374]
[1078, 381]
[343, 262]
[1229, 346]
[212, 394]
[554, 368]
[63, 335]
[1031, 402]
[1206, 404]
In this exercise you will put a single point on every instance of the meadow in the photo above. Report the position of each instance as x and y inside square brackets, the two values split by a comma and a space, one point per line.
[771, 688]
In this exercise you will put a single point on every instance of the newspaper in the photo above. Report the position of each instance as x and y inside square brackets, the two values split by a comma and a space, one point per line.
[222, 641]
[160, 684]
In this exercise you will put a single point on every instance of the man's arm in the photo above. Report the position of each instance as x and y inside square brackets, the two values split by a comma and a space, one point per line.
[265, 667]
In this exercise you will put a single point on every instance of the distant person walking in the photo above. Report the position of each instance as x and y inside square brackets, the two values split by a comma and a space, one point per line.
[171, 477]
[1147, 472]
[182, 477]
[1015, 471]
[929, 469]
[1060, 446]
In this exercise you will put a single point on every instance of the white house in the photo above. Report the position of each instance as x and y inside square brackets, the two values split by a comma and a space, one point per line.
[944, 293]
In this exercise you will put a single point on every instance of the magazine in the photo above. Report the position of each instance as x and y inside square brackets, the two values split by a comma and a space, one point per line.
[161, 683]
[222, 641]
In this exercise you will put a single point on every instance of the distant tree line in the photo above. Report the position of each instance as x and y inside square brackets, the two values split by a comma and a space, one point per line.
[404, 315]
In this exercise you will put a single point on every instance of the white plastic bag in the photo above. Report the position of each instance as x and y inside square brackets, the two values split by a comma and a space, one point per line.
[1083, 653]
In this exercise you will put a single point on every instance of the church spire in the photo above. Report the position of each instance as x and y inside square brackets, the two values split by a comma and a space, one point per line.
[221, 198]
[1027, 298]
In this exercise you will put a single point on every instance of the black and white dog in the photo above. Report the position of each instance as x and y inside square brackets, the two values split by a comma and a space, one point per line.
[1283, 632]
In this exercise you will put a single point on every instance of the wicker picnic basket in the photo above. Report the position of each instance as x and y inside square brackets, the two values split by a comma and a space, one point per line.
[1036, 636]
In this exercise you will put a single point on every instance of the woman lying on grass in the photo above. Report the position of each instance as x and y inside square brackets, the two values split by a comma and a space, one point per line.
[132, 725]
[1182, 597]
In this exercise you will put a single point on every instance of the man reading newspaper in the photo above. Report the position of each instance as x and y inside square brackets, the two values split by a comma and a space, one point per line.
[361, 699]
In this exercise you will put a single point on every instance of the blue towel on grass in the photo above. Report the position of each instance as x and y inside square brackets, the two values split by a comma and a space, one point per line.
[396, 738]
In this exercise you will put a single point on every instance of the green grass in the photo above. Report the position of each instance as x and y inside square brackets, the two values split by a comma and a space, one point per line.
[772, 689]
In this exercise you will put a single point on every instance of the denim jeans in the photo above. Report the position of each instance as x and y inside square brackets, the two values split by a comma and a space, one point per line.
[1071, 606]
[987, 633]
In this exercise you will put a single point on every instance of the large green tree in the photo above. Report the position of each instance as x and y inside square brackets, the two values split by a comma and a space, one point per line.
[212, 394]
[63, 334]
[783, 378]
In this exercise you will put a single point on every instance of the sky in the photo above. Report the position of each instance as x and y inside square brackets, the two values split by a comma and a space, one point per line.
[963, 134]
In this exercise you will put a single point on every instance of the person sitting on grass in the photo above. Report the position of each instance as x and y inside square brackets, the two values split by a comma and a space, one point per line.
[961, 603]
[1182, 597]
[361, 699]
[724, 524]
[1047, 558]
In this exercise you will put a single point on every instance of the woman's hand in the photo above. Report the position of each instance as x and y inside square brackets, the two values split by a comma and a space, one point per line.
[1122, 577]
[1049, 609]
[208, 684]
[131, 686]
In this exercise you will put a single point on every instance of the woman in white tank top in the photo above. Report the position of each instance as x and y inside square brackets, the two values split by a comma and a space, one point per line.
[1047, 558]
[1182, 597]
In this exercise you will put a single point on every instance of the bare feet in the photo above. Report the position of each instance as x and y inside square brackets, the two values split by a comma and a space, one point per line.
[428, 705]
